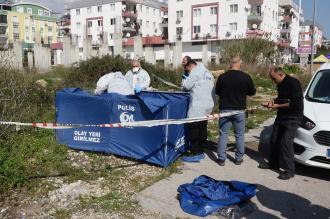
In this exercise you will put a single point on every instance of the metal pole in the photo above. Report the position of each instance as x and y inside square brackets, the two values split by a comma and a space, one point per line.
[313, 40]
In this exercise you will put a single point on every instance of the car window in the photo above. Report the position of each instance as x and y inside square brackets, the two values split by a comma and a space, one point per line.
[319, 90]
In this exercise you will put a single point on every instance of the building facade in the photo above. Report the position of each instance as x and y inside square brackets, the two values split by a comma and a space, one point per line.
[290, 18]
[28, 23]
[197, 22]
[101, 21]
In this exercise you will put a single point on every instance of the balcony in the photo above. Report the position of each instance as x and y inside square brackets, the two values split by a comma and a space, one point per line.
[128, 29]
[284, 43]
[256, 33]
[255, 17]
[129, 14]
[2, 24]
[286, 30]
[163, 25]
[287, 18]
[256, 2]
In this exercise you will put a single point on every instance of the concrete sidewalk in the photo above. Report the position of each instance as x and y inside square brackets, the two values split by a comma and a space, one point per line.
[305, 196]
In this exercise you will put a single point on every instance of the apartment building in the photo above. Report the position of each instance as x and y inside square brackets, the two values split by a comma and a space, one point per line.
[98, 21]
[198, 22]
[290, 18]
[28, 23]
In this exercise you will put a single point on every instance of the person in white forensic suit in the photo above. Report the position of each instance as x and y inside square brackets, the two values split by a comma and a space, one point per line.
[200, 84]
[137, 77]
[113, 82]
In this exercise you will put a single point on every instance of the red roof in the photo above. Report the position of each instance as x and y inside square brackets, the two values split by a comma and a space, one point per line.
[154, 40]
[56, 46]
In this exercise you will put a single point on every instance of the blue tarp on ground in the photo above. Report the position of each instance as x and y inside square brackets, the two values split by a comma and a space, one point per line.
[159, 145]
[206, 195]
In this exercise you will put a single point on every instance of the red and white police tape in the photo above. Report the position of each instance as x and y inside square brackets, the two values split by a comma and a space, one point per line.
[149, 123]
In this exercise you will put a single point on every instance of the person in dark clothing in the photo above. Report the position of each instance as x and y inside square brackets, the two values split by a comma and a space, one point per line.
[232, 88]
[289, 105]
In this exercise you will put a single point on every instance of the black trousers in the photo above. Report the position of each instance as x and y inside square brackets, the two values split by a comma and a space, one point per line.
[197, 133]
[282, 149]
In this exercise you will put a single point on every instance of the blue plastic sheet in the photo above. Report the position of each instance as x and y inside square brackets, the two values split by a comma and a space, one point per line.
[206, 195]
[193, 159]
[159, 145]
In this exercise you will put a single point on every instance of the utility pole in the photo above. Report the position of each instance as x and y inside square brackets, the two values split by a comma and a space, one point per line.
[313, 40]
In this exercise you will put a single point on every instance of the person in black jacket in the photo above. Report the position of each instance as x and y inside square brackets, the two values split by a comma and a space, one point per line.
[232, 88]
[289, 105]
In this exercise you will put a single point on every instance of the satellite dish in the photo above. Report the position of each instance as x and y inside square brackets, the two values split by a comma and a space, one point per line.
[128, 19]
[254, 26]
[128, 35]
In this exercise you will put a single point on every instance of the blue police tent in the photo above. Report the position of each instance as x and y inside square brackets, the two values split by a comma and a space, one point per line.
[159, 145]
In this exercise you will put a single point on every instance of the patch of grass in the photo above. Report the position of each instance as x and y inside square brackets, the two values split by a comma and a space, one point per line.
[258, 117]
[112, 201]
[62, 214]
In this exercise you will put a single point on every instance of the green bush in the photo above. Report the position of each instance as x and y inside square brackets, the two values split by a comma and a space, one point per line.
[88, 72]
[254, 50]
[293, 69]
[21, 99]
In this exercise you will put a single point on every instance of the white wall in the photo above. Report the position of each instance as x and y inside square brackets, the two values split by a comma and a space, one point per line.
[107, 14]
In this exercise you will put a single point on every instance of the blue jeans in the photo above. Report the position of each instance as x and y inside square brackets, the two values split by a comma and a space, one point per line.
[238, 122]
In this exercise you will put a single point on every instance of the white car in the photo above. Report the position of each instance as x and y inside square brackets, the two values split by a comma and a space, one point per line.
[312, 141]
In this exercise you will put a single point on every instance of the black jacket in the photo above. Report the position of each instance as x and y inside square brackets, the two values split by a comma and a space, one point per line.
[232, 88]
[289, 90]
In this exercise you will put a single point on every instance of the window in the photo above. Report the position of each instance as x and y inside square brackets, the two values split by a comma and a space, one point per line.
[147, 24]
[16, 36]
[197, 29]
[113, 21]
[78, 24]
[89, 23]
[234, 8]
[47, 13]
[213, 28]
[213, 10]
[50, 29]
[50, 39]
[233, 26]
[197, 12]
[77, 11]
[99, 8]
[26, 29]
[154, 12]
[112, 6]
[29, 10]
[179, 15]
[154, 25]
[140, 6]
[179, 30]
[15, 19]
[40, 12]
[20, 9]
[147, 10]
[110, 36]
[100, 23]
[89, 10]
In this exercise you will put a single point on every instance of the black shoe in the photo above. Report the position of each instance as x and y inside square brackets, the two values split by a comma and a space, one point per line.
[220, 162]
[238, 162]
[266, 166]
[285, 175]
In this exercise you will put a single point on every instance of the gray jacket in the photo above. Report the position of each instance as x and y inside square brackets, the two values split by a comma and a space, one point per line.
[200, 84]
[113, 82]
[141, 78]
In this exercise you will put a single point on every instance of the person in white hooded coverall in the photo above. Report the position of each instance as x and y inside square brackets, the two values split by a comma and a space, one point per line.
[137, 77]
[113, 82]
[200, 84]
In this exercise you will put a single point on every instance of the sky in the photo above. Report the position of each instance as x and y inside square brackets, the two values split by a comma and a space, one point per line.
[322, 15]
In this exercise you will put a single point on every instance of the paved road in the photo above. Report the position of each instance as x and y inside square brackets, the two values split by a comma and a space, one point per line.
[307, 195]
